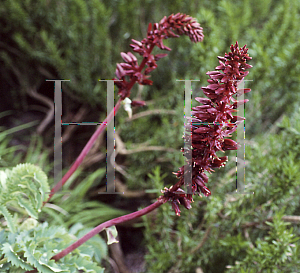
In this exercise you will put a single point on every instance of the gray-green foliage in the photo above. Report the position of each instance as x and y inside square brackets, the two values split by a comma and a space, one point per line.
[35, 244]
[25, 187]
[32, 244]
[248, 233]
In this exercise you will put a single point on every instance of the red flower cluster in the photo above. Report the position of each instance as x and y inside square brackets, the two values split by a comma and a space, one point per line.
[180, 23]
[212, 122]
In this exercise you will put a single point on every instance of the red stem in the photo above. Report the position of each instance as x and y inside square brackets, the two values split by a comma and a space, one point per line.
[90, 143]
[85, 150]
[161, 200]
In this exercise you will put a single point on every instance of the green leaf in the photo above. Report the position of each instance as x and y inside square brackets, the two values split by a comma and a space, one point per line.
[51, 264]
[28, 206]
[8, 217]
[33, 261]
[13, 257]
[26, 186]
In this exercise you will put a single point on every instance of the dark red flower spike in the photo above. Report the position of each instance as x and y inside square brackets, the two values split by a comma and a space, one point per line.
[213, 121]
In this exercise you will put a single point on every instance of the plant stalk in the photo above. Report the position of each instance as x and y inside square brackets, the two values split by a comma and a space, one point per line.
[161, 200]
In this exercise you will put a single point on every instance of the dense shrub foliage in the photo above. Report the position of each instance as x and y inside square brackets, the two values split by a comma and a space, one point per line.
[81, 41]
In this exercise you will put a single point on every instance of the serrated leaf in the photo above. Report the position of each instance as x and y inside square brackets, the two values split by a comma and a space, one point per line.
[51, 264]
[16, 270]
[9, 219]
[97, 243]
[33, 261]
[34, 190]
[28, 206]
[25, 186]
[84, 263]
[14, 257]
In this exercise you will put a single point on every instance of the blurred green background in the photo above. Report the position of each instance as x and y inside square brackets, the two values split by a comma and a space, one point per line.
[81, 41]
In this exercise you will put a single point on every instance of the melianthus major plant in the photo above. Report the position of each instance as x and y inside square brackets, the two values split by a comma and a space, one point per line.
[211, 123]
